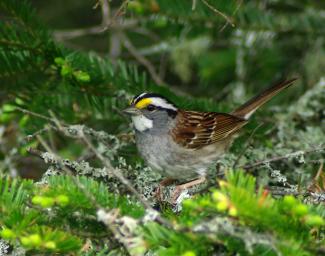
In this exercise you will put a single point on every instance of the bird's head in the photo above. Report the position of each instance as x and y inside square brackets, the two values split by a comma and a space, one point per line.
[150, 110]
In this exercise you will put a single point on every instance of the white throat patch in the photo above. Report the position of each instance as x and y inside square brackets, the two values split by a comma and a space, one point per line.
[141, 123]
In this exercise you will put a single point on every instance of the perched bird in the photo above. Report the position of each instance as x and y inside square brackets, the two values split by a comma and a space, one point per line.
[181, 144]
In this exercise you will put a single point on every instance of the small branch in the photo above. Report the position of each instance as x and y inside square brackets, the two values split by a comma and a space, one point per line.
[14, 44]
[317, 197]
[235, 11]
[78, 167]
[279, 158]
[141, 59]
[319, 172]
[72, 131]
[25, 111]
[318, 183]
[120, 11]
[41, 131]
[281, 191]
[229, 21]
[246, 147]
[106, 12]
[62, 35]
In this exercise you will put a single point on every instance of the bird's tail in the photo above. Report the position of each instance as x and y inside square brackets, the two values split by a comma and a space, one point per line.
[247, 109]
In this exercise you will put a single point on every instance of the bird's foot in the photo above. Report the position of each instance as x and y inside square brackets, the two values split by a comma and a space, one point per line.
[162, 184]
[180, 188]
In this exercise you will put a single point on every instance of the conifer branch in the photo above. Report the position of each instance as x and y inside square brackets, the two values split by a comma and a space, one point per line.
[279, 158]
[19, 45]
[141, 59]
[76, 167]
[229, 21]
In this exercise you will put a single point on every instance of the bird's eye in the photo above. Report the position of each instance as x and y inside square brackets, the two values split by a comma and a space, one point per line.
[151, 107]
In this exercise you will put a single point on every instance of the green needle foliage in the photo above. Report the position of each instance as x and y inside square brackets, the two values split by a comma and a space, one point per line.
[276, 227]
[34, 216]
[37, 215]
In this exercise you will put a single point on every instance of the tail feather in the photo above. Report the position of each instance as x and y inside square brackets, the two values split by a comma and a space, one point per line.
[247, 109]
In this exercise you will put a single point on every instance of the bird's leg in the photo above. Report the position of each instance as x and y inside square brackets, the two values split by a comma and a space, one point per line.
[162, 184]
[179, 188]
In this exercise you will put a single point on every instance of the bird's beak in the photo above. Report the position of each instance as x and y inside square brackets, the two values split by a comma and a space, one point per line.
[132, 111]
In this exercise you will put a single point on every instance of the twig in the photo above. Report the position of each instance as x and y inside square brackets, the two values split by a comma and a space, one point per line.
[319, 172]
[31, 136]
[315, 184]
[229, 21]
[62, 35]
[236, 10]
[28, 112]
[14, 44]
[141, 59]
[118, 13]
[74, 166]
[279, 158]
[106, 12]
[246, 147]
[106, 23]
[68, 130]
[281, 191]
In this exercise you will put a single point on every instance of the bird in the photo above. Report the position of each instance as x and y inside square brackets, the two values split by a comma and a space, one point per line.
[182, 144]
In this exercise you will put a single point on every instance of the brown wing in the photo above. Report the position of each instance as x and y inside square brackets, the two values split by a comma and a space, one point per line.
[198, 129]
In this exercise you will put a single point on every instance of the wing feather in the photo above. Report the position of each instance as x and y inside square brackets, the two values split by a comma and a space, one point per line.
[198, 129]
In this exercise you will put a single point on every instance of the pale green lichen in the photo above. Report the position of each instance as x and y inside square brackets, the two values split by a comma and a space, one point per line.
[81, 167]
[124, 230]
[224, 227]
[4, 247]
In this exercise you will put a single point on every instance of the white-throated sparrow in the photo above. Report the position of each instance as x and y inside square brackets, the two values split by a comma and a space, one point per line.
[182, 144]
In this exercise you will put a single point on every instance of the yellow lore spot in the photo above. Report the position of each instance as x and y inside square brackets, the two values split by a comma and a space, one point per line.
[143, 103]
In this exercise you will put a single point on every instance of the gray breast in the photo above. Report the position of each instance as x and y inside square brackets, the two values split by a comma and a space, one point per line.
[163, 155]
